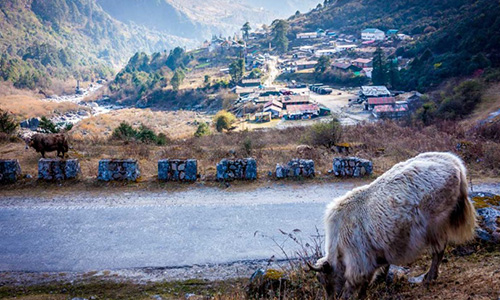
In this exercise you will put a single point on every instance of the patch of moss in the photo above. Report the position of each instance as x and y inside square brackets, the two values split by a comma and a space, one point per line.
[482, 202]
[273, 274]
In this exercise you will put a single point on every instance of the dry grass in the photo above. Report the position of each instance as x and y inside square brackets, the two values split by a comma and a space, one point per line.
[175, 124]
[27, 106]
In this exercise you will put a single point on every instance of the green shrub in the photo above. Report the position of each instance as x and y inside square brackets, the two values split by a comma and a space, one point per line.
[224, 120]
[124, 132]
[48, 126]
[324, 134]
[146, 135]
[7, 123]
[202, 130]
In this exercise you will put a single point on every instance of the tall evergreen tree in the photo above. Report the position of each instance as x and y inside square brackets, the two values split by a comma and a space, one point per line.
[379, 73]
[280, 39]
[393, 76]
[246, 30]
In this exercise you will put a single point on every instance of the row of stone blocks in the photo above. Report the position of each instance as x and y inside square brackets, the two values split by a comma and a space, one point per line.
[182, 170]
[296, 168]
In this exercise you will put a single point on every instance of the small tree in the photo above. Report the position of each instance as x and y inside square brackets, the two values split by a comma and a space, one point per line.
[177, 79]
[322, 65]
[47, 126]
[7, 123]
[237, 70]
[224, 120]
[202, 130]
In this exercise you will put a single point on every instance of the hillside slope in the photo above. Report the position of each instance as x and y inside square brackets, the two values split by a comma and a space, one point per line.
[453, 38]
[42, 40]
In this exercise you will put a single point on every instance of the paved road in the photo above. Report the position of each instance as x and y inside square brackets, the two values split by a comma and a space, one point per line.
[197, 226]
[155, 230]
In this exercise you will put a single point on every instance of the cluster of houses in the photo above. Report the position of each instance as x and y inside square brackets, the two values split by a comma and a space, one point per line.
[350, 53]
[277, 104]
[384, 105]
[291, 107]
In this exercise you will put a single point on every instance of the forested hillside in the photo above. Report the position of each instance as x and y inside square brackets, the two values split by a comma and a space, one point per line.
[452, 38]
[42, 40]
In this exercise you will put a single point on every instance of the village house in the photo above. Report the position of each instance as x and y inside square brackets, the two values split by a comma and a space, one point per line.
[295, 100]
[373, 102]
[325, 52]
[372, 34]
[250, 82]
[304, 64]
[302, 111]
[307, 35]
[274, 107]
[373, 91]
[390, 111]
[363, 62]
[392, 32]
[345, 67]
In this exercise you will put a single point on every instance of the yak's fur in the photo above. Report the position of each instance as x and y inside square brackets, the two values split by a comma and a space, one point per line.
[418, 204]
[48, 142]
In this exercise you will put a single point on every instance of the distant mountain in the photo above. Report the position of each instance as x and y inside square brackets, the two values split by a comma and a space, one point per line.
[200, 20]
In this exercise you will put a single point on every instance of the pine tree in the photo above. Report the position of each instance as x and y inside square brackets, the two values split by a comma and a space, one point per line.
[246, 30]
[280, 30]
[379, 73]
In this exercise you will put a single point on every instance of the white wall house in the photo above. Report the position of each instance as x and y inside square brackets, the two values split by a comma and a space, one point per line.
[307, 35]
[370, 34]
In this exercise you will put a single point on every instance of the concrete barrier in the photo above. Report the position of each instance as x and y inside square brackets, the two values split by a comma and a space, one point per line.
[352, 167]
[296, 168]
[10, 170]
[58, 169]
[119, 170]
[242, 169]
[178, 170]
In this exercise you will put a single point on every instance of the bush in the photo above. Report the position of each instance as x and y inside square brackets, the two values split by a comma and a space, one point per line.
[124, 132]
[202, 130]
[146, 135]
[47, 126]
[224, 120]
[324, 134]
[7, 123]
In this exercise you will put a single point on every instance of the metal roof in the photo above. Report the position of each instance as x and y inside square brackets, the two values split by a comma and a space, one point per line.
[381, 100]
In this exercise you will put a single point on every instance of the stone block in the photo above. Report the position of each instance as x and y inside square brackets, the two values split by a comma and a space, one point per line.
[296, 168]
[178, 170]
[58, 169]
[119, 170]
[237, 169]
[10, 170]
[352, 167]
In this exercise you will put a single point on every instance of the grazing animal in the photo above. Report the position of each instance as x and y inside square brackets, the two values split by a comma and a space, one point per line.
[47, 143]
[418, 204]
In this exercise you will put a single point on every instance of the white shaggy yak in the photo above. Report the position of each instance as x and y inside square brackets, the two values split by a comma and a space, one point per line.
[418, 204]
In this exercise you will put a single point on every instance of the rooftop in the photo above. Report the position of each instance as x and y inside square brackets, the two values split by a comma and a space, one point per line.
[374, 91]
[372, 30]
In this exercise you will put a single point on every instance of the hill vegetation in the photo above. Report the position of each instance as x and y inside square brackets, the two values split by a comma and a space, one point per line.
[452, 38]
[42, 41]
